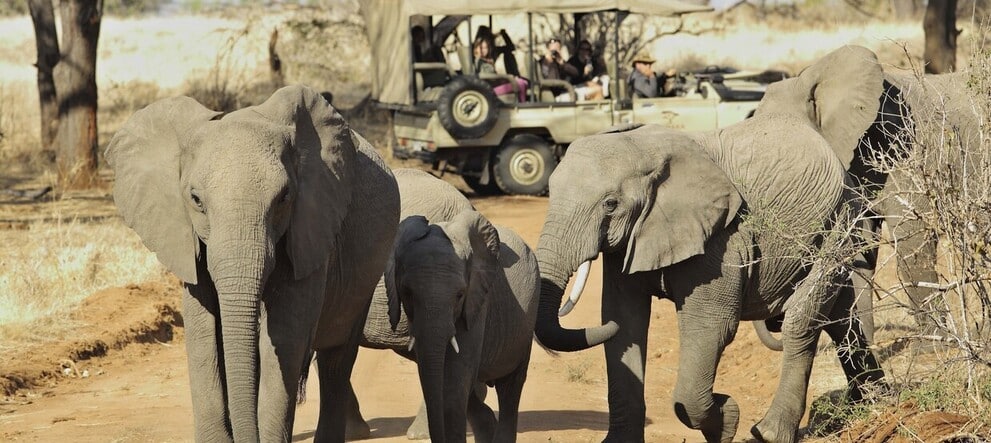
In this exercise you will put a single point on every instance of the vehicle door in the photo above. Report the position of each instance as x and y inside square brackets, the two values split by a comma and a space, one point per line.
[694, 111]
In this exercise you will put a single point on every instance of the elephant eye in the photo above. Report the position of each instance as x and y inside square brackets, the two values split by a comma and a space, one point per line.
[196, 200]
[610, 204]
[283, 196]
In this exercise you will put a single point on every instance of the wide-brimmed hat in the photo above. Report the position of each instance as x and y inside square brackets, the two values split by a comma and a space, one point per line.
[644, 57]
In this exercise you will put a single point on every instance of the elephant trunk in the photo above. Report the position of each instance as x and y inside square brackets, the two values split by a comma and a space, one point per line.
[240, 281]
[431, 352]
[555, 271]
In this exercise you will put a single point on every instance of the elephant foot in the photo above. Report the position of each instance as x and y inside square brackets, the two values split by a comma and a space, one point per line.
[357, 430]
[617, 437]
[419, 429]
[774, 432]
[718, 422]
[723, 430]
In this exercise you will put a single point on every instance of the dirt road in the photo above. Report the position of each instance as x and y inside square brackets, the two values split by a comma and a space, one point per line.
[141, 393]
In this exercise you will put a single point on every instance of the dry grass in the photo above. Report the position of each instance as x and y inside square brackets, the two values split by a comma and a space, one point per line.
[48, 268]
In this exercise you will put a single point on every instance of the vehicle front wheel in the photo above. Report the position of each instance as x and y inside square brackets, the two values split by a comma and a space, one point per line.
[524, 165]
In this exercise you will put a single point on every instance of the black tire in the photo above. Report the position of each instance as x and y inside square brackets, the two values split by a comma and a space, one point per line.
[467, 107]
[474, 182]
[523, 165]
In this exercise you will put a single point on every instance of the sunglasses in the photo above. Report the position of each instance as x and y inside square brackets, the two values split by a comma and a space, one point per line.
[553, 40]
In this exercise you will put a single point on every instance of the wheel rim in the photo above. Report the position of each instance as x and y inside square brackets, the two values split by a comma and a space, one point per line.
[470, 108]
[526, 166]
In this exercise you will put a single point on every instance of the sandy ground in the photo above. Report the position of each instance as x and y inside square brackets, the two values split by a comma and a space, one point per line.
[141, 393]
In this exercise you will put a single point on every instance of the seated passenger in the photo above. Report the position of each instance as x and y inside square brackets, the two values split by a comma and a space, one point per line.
[553, 67]
[505, 50]
[644, 83]
[485, 64]
[592, 82]
[423, 51]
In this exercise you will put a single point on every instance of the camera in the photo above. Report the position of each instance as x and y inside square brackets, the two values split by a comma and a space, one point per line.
[556, 54]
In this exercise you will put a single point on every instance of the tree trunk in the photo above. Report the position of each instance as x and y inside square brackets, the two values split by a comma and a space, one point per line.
[75, 81]
[940, 25]
[43, 17]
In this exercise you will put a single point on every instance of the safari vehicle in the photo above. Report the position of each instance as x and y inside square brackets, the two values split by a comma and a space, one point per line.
[449, 116]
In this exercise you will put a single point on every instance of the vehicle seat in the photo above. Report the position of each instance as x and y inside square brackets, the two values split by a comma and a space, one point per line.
[546, 86]
[468, 68]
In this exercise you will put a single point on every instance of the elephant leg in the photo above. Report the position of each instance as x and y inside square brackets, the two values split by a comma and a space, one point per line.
[915, 249]
[355, 426]
[814, 299]
[287, 321]
[858, 362]
[509, 389]
[480, 415]
[628, 305]
[418, 430]
[334, 367]
[199, 315]
[863, 288]
[702, 341]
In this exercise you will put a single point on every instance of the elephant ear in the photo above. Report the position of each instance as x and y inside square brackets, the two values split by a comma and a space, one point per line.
[484, 263]
[839, 95]
[325, 148]
[411, 229]
[686, 199]
[145, 155]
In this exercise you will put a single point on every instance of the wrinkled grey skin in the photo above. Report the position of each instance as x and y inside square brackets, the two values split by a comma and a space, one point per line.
[468, 280]
[279, 219]
[899, 100]
[722, 223]
[420, 194]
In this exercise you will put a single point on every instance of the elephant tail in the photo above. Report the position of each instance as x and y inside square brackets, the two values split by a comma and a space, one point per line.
[305, 374]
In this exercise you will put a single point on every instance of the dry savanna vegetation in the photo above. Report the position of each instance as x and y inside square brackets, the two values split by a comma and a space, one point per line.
[58, 249]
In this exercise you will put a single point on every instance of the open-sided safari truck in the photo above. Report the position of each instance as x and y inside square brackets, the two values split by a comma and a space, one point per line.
[447, 115]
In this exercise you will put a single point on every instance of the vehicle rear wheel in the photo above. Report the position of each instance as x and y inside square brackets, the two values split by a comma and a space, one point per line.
[467, 107]
[524, 165]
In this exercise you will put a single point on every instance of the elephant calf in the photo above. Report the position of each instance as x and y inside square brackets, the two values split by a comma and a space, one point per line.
[470, 293]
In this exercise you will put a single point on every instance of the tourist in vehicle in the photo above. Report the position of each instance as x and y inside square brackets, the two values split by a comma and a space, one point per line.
[423, 51]
[505, 50]
[485, 64]
[644, 83]
[592, 80]
[554, 67]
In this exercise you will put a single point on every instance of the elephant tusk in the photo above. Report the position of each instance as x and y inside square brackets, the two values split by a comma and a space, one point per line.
[411, 341]
[576, 290]
[454, 344]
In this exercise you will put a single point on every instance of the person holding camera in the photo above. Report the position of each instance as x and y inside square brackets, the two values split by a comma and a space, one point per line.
[553, 67]
[592, 82]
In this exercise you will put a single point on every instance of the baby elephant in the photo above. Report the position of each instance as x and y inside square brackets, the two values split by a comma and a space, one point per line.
[470, 293]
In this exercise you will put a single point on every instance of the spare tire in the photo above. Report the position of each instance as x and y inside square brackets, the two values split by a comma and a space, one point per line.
[467, 107]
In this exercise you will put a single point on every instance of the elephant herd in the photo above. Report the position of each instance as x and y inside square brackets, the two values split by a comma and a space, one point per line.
[295, 241]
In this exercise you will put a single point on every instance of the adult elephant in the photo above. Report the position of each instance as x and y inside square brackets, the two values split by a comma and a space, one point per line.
[727, 224]
[906, 107]
[279, 219]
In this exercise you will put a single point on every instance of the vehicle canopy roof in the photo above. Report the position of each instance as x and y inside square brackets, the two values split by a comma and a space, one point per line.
[387, 24]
